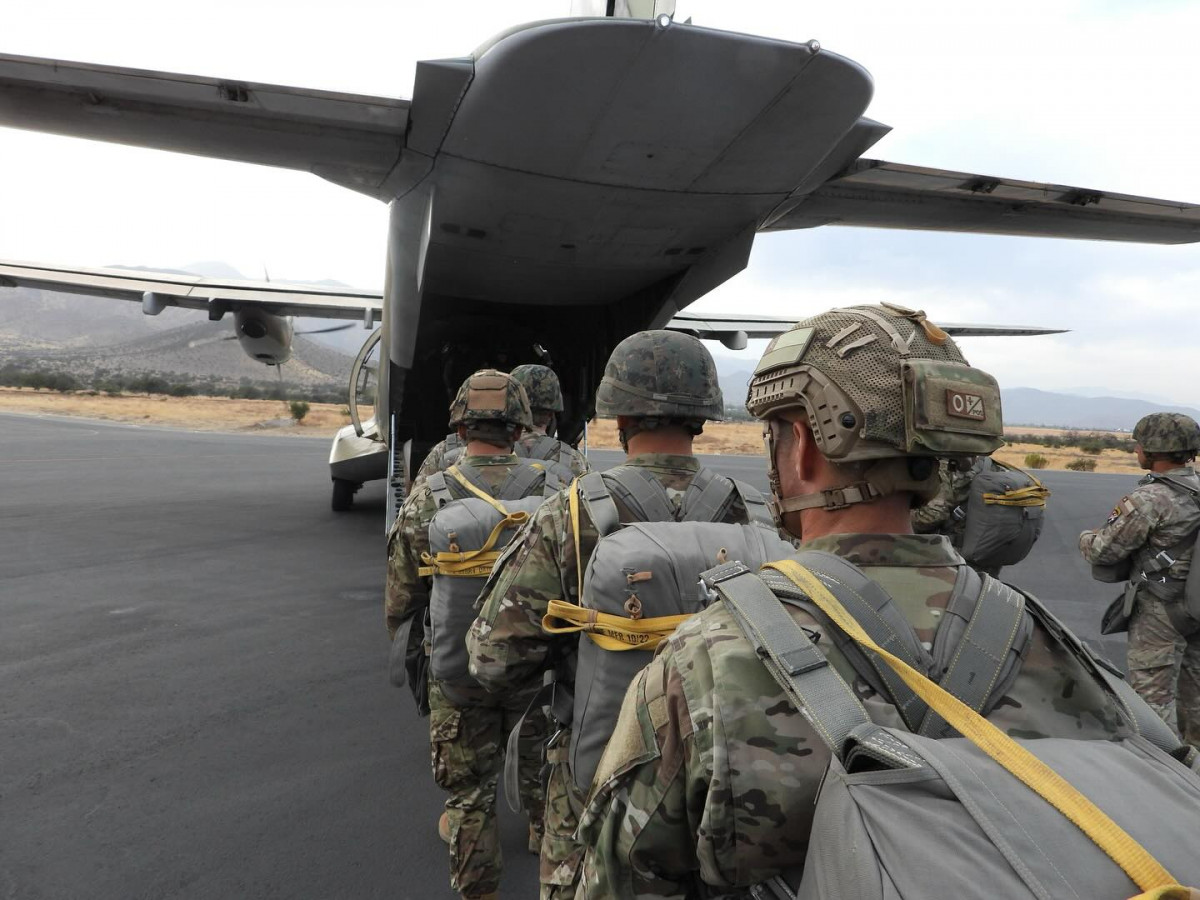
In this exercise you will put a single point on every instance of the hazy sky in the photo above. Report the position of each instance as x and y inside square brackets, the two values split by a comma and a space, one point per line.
[1096, 94]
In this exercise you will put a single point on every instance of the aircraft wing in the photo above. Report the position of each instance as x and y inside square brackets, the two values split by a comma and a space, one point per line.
[157, 290]
[727, 328]
[879, 194]
[353, 140]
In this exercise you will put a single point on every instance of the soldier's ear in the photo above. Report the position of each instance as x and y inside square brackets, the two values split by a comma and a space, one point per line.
[808, 457]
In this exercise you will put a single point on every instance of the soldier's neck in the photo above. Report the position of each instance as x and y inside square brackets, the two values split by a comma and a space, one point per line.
[1159, 466]
[483, 448]
[668, 441]
[887, 515]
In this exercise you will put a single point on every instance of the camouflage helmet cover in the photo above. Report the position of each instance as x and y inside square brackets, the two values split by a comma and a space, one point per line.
[1166, 432]
[876, 382]
[541, 386]
[660, 374]
[491, 396]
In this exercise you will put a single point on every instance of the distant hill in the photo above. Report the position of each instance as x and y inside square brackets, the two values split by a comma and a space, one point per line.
[1029, 406]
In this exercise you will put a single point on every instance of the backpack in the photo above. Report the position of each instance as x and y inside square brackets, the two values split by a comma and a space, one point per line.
[990, 808]
[1005, 511]
[640, 583]
[467, 534]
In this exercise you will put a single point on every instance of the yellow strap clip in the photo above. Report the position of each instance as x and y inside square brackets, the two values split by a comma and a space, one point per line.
[472, 563]
[1142, 868]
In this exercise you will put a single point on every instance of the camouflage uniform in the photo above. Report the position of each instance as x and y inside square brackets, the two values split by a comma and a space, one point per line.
[467, 733]
[509, 651]
[436, 460]
[1164, 665]
[712, 773]
[508, 648]
[709, 780]
[450, 450]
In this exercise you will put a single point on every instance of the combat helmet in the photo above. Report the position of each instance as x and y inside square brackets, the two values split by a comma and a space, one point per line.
[490, 404]
[661, 376]
[541, 386]
[1166, 432]
[878, 384]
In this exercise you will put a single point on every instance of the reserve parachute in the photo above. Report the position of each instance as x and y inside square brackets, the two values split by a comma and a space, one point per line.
[1005, 512]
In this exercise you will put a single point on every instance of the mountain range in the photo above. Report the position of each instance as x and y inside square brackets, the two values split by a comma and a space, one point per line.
[83, 335]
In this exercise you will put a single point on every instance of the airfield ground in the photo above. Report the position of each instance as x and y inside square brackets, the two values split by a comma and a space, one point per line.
[272, 416]
[193, 656]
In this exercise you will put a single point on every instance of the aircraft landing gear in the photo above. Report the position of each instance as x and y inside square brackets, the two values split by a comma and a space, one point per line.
[343, 494]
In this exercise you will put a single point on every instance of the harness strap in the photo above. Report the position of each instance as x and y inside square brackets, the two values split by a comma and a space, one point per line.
[875, 610]
[641, 492]
[1141, 867]
[982, 651]
[473, 482]
[520, 481]
[608, 631]
[541, 447]
[561, 702]
[817, 690]
[439, 489]
[600, 506]
[757, 510]
[707, 497]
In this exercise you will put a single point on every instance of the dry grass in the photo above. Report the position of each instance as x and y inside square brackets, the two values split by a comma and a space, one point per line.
[198, 413]
[224, 414]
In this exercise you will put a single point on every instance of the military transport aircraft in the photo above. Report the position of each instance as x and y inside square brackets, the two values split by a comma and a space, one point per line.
[568, 183]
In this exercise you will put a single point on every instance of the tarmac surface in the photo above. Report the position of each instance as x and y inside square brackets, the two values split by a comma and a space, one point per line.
[193, 659]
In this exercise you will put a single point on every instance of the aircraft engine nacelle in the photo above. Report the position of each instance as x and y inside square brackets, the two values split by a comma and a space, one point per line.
[265, 338]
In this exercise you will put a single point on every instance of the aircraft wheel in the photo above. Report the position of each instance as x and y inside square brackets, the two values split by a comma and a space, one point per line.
[343, 494]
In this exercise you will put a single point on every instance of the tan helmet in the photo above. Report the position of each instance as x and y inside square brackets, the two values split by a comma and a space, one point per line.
[877, 383]
[490, 401]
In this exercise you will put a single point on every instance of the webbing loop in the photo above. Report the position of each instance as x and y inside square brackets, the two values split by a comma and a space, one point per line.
[472, 563]
[609, 632]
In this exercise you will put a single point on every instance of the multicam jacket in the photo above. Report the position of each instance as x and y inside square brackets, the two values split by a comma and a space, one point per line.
[937, 516]
[712, 774]
[1153, 517]
[406, 593]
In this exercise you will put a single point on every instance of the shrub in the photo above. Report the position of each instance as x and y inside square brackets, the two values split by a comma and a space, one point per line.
[1092, 446]
[1082, 465]
[1035, 461]
[299, 409]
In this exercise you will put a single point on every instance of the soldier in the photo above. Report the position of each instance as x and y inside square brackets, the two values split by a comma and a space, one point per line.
[711, 774]
[938, 515]
[1153, 530]
[661, 387]
[546, 402]
[468, 732]
[538, 443]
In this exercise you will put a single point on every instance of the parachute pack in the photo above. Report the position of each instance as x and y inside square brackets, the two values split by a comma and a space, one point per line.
[467, 534]
[955, 780]
[1005, 511]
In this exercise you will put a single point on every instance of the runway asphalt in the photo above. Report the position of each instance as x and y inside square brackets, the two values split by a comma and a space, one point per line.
[192, 655]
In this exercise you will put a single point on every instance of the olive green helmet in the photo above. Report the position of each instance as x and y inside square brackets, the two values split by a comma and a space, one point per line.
[1165, 432]
[541, 386]
[876, 382]
[661, 374]
[491, 396]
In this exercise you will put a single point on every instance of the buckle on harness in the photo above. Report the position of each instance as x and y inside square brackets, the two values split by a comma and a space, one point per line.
[724, 572]
[1165, 558]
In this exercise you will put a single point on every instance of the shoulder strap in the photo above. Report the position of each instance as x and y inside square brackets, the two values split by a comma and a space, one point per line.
[1177, 484]
[757, 510]
[599, 502]
[641, 493]
[825, 700]
[439, 489]
[982, 651]
[472, 482]
[878, 615]
[707, 498]
[541, 447]
[521, 481]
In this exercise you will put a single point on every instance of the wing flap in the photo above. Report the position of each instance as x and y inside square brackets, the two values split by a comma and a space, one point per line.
[724, 327]
[878, 194]
[350, 139]
[193, 292]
